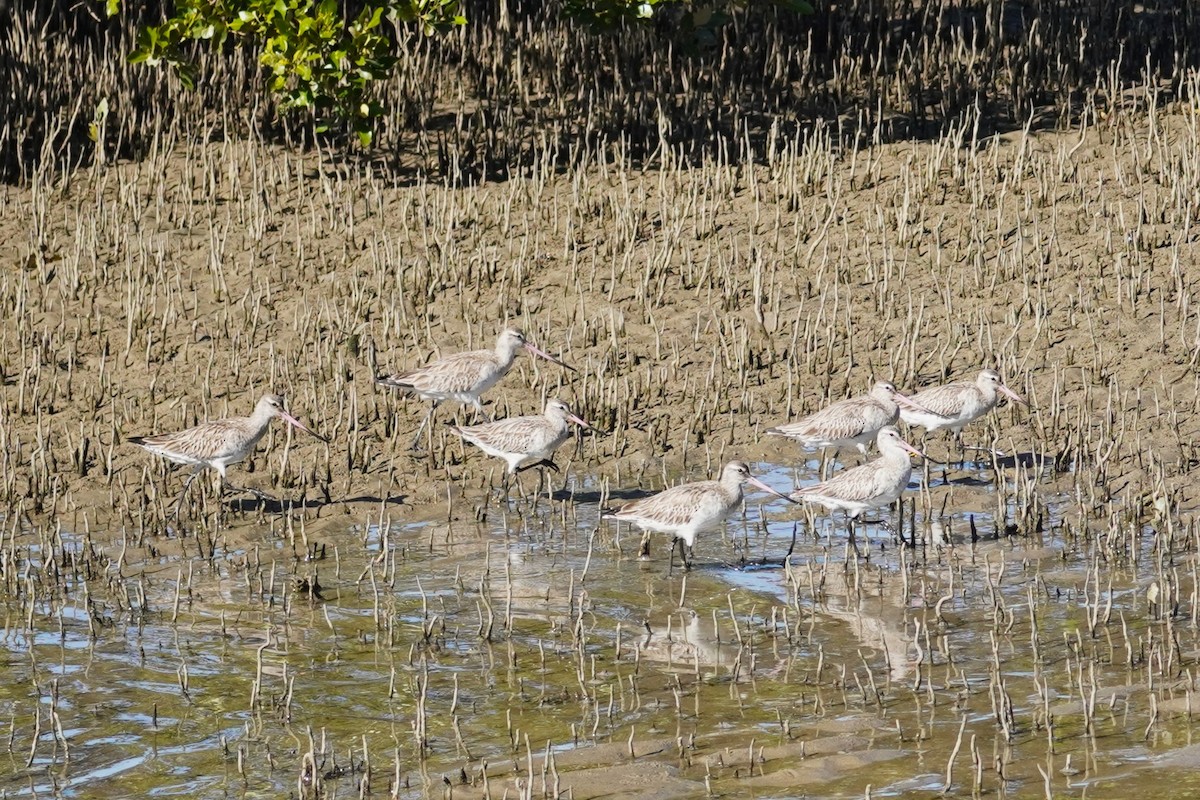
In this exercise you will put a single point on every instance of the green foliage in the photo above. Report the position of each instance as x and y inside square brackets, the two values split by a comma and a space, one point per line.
[314, 58]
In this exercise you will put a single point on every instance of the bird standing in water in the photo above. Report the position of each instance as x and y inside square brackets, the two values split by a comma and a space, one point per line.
[854, 421]
[876, 484]
[685, 510]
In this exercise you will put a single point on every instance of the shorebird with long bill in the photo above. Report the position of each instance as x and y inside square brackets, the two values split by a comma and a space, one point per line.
[524, 442]
[955, 405]
[854, 421]
[685, 510]
[876, 484]
[220, 442]
[463, 377]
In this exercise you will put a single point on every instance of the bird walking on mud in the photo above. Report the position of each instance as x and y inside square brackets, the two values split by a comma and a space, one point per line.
[219, 443]
[685, 510]
[876, 484]
[463, 377]
[524, 442]
[854, 421]
[955, 405]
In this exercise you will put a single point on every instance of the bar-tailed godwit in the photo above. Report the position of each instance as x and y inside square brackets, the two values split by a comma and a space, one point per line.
[220, 442]
[853, 421]
[954, 405]
[875, 484]
[685, 510]
[463, 377]
[524, 442]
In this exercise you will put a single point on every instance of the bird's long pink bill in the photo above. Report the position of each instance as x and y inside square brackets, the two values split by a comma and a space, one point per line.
[911, 449]
[293, 421]
[753, 481]
[543, 354]
[587, 426]
[912, 405]
[1011, 395]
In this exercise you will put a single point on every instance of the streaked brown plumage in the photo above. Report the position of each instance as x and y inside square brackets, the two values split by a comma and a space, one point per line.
[463, 377]
[956, 404]
[853, 421]
[219, 443]
[685, 510]
[524, 441]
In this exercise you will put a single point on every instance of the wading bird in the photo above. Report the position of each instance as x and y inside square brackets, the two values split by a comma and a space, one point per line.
[876, 484]
[854, 421]
[220, 442]
[524, 442]
[954, 405]
[685, 510]
[463, 377]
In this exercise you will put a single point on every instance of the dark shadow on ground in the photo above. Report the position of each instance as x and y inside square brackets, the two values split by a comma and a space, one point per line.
[282, 505]
[612, 498]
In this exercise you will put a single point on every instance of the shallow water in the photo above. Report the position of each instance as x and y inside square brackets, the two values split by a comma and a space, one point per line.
[451, 657]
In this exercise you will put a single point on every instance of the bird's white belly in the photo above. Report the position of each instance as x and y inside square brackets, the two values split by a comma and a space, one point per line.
[933, 422]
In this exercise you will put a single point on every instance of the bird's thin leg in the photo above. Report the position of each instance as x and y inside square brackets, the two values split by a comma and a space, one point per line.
[894, 524]
[505, 484]
[479, 412]
[676, 542]
[428, 416]
[520, 487]
[962, 447]
[689, 557]
[179, 500]
[850, 525]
